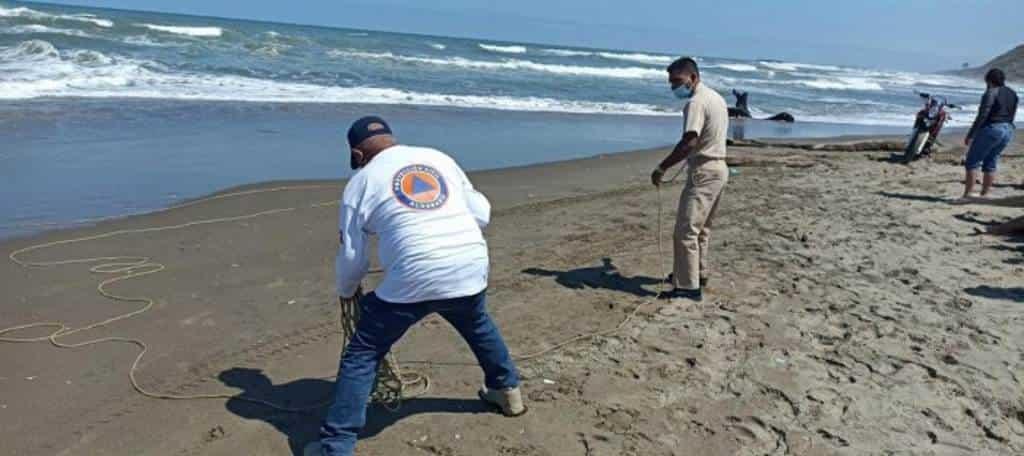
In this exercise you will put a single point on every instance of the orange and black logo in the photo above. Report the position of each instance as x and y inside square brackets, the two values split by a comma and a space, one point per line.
[420, 187]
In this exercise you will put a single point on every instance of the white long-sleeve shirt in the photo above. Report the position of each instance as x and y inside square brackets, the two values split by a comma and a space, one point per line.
[428, 218]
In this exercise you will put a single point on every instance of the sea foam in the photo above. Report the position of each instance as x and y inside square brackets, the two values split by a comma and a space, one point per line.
[204, 32]
[39, 15]
[510, 64]
[503, 49]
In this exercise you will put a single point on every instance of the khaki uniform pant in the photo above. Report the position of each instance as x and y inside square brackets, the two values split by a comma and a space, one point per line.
[704, 184]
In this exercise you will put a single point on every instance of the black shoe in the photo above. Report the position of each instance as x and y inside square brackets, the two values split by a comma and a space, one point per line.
[683, 293]
[703, 280]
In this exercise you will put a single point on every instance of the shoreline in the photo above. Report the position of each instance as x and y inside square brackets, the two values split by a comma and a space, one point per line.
[504, 182]
[503, 176]
[107, 168]
[298, 105]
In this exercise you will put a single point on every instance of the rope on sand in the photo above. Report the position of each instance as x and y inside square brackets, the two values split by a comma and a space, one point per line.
[130, 267]
[392, 383]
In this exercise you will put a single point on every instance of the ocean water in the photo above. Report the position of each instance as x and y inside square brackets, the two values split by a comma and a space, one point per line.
[105, 112]
[61, 52]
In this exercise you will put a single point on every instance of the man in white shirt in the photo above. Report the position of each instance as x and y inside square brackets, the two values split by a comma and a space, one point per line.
[428, 219]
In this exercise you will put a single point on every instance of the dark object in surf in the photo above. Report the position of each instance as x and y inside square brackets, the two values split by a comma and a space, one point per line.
[742, 111]
[782, 117]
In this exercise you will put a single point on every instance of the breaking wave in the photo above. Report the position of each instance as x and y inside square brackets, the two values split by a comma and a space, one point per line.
[510, 64]
[204, 32]
[566, 52]
[742, 67]
[840, 83]
[785, 66]
[42, 29]
[503, 49]
[642, 58]
[29, 13]
[44, 71]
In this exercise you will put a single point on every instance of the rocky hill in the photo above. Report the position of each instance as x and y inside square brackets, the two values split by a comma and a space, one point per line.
[1011, 62]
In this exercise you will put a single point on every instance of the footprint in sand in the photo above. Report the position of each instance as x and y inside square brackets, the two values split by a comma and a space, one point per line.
[756, 437]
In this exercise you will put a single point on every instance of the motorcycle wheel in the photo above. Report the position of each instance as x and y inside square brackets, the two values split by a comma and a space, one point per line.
[916, 146]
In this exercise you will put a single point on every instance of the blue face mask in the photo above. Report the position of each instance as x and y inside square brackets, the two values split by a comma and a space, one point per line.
[683, 92]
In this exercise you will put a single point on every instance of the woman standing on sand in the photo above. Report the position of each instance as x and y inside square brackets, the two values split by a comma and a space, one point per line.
[991, 132]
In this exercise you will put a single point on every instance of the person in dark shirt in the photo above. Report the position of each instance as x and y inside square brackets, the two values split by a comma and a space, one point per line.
[991, 132]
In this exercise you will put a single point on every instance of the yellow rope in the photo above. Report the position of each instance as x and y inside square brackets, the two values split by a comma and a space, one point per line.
[392, 384]
[131, 267]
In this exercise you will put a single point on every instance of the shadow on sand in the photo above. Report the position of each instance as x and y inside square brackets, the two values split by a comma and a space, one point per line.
[971, 217]
[604, 277]
[303, 427]
[911, 197]
[1015, 294]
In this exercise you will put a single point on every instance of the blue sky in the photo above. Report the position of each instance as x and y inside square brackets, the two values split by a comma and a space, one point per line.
[900, 34]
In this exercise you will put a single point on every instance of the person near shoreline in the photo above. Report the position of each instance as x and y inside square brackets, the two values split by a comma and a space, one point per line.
[991, 132]
[429, 221]
[705, 124]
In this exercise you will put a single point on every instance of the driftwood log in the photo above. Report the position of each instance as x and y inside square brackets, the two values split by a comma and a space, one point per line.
[890, 145]
[787, 161]
[858, 146]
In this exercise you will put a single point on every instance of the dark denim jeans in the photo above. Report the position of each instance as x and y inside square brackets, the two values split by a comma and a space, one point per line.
[988, 145]
[380, 326]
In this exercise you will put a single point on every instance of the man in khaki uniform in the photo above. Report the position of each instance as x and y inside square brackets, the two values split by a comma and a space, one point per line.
[706, 120]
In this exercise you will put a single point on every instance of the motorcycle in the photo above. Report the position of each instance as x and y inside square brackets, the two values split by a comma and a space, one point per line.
[927, 125]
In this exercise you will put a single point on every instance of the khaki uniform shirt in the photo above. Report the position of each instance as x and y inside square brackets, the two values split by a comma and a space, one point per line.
[707, 115]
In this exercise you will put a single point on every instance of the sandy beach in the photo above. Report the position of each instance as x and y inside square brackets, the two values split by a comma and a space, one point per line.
[852, 310]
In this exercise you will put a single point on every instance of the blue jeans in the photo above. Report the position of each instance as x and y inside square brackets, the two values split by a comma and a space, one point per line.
[988, 145]
[380, 326]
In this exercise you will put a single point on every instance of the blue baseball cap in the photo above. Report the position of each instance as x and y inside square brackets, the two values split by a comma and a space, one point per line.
[366, 128]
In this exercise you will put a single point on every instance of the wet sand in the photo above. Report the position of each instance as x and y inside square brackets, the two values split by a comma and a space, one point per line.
[851, 311]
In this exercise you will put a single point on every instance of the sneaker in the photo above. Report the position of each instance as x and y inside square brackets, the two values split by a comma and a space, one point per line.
[313, 449]
[508, 401]
[683, 293]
